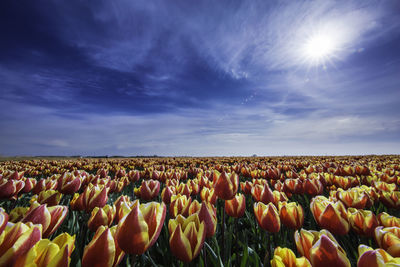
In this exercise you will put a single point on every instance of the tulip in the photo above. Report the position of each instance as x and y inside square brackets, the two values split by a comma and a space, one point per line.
[285, 257]
[49, 197]
[225, 184]
[390, 199]
[122, 202]
[246, 187]
[94, 196]
[312, 187]
[207, 214]
[16, 240]
[291, 214]
[329, 215]
[354, 198]
[236, 206]
[262, 193]
[30, 183]
[326, 252]
[179, 205]
[294, 186]
[103, 250]
[388, 238]
[49, 217]
[69, 184]
[267, 217]
[101, 216]
[49, 253]
[140, 229]
[167, 193]
[9, 189]
[17, 214]
[184, 189]
[186, 237]
[76, 202]
[363, 222]
[208, 195]
[44, 184]
[306, 239]
[387, 220]
[148, 190]
[375, 258]
[3, 220]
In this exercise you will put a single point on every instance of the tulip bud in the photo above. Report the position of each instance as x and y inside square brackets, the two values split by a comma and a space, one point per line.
[69, 184]
[236, 206]
[140, 229]
[16, 240]
[49, 253]
[388, 239]
[286, 257]
[103, 250]
[208, 195]
[291, 214]
[9, 189]
[179, 205]
[325, 252]
[148, 190]
[267, 217]
[101, 216]
[49, 197]
[329, 215]
[387, 220]
[306, 239]
[225, 184]
[186, 237]
[363, 222]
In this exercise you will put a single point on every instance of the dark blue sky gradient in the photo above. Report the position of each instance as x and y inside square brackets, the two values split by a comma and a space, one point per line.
[198, 78]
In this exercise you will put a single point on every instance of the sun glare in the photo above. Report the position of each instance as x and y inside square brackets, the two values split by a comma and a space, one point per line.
[320, 48]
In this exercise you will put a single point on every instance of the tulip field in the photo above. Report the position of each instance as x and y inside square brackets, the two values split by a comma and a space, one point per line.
[220, 211]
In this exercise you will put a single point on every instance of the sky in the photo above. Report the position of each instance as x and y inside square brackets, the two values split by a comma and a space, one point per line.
[199, 78]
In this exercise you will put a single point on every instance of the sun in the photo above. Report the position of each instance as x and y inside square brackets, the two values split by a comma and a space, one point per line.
[319, 48]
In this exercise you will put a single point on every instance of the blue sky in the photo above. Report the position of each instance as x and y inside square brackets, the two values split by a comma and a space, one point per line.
[199, 78]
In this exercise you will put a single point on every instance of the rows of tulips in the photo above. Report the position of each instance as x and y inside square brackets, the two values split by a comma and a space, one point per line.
[288, 211]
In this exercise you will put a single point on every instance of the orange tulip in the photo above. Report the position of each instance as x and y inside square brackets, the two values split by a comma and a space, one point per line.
[363, 222]
[49, 217]
[167, 193]
[325, 252]
[49, 197]
[294, 186]
[375, 258]
[30, 183]
[390, 199]
[225, 184]
[387, 220]
[306, 239]
[56, 253]
[267, 217]
[246, 187]
[329, 215]
[179, 205]
[68, 183]
[312, 187]
[355, 198]
[208, 195]
[94, 196]
[10, 188]
[236, 206]
[291, 214]
[103, 250]
[285, 257]
[262, 193]
[101, 216]
[388, 238]
[207, 214]
[140, 229]
[148, 190]
[186, 237]
[16, 240]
